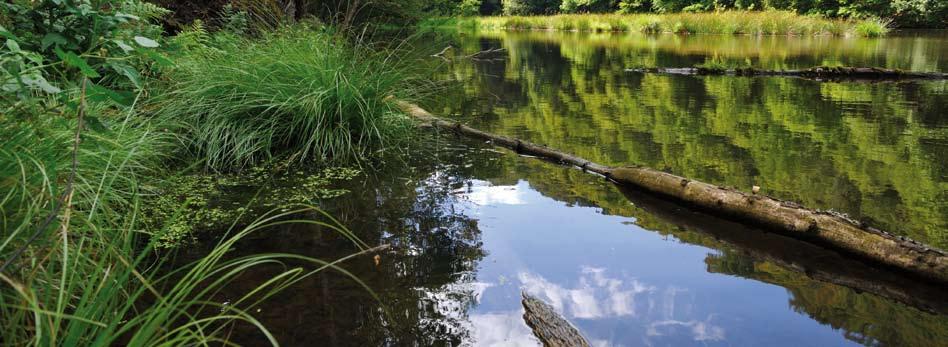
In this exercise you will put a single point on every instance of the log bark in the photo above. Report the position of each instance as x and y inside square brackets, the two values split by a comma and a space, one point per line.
[817, 73]
[548, 326]
[805, 258]
[828, 229]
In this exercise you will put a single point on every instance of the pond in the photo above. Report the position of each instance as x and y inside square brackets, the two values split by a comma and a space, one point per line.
[472, 226]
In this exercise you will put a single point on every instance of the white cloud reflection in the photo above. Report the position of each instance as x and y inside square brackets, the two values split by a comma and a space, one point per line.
[663, 313]
[597, 296]
[483, 194]
[700, 330]
[615, 311]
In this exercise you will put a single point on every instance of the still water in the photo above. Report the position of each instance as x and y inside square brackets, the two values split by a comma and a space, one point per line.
[471, 227]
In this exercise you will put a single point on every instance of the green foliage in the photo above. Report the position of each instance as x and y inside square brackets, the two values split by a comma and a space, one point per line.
[297, 93]
[902, 13]
[728, 22]
[468, 8]
[186, 204]
[528, 7]
[872, 28]
[880, 162]
[101, 40]
[77, 233]
[575, 6]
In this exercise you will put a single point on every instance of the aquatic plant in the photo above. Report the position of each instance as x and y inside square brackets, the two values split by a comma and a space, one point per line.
[873, 27]
[78, 162]
[298, 92]
[78, 267]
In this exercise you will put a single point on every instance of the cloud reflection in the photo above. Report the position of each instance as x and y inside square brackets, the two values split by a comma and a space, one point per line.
[483, 194]
[597, 296]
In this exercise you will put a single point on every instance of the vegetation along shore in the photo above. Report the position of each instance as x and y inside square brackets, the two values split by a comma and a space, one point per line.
[148, 148]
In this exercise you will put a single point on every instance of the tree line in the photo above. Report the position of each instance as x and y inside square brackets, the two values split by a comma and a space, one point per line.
[346, 13]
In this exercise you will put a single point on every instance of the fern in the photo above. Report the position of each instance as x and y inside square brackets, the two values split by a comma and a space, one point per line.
[146, 11]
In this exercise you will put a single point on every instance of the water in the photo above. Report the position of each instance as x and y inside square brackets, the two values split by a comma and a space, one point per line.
[472, 226]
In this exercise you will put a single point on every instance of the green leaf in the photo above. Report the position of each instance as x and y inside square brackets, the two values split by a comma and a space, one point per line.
[76, 61]
[53, 38]
[6, 33]
[97, 93]
[13, 46]
[145, 42]
[124, 46]
[37, 80]
[159, 59]
[128, 72]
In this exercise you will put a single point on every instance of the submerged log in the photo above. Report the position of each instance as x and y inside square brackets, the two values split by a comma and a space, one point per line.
[548, 326]
[818, 73]
[828, 229]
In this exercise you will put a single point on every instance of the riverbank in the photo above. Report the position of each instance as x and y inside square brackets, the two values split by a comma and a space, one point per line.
[728, 22]
[107, 149]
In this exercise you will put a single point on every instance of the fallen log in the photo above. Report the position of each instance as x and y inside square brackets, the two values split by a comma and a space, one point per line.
[817, 73]
[548, 326]
[804, 258]
[828, 229]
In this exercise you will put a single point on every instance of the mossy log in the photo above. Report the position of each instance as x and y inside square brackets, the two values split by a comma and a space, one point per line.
[548, 326]
[817, 73]
[828, 229]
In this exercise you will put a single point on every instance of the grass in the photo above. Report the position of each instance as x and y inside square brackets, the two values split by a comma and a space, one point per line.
[296, 92]
[728, 22]
[91, 278]
[78, 249]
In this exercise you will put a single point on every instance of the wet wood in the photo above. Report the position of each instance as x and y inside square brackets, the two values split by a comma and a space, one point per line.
[828, 229]
[816, 73]
[804, 258]
[548, 326]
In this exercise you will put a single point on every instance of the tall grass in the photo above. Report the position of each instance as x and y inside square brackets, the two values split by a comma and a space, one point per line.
[90, 277]
[296, 92]
[727, 22]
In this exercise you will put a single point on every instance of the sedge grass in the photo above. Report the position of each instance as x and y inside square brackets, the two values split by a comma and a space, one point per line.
[297, 92]
[92, 278]
[725, 22]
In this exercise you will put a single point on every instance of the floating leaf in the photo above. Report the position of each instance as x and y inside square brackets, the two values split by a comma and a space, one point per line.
[146, 42]
[76, 61]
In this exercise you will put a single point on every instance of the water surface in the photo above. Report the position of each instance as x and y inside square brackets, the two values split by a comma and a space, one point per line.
[471, 226]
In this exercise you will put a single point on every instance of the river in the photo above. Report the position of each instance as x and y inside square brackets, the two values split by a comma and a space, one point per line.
[472, 226]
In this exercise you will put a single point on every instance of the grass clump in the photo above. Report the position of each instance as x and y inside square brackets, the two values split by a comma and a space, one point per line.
[872, 27]
[80, 162]
[298, 92]
[724, 22]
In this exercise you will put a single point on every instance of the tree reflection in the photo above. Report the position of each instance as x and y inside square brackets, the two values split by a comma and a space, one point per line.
[874, 151]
